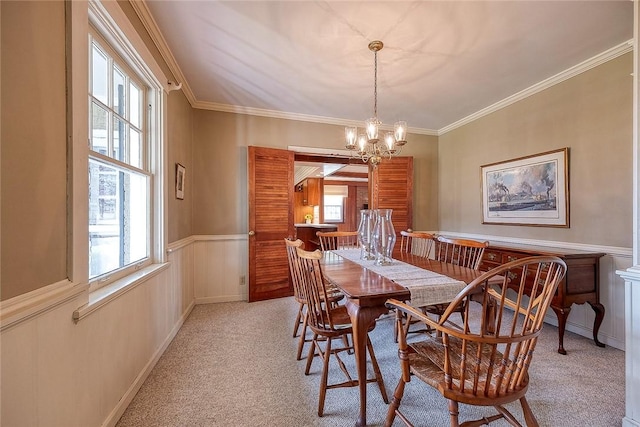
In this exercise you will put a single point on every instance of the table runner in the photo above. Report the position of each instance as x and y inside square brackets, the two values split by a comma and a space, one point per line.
[426, 287]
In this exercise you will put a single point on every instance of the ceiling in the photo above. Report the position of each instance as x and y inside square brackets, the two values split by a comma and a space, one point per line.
[442, 61]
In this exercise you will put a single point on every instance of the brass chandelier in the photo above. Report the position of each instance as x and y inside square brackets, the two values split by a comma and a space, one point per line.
[366, 145]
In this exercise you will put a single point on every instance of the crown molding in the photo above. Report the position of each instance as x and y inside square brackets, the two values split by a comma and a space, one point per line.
[141, 9]
[599, 59]
[227, 108]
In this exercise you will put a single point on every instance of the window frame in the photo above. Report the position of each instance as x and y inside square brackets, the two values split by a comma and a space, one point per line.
[116, 62]
[108, 19]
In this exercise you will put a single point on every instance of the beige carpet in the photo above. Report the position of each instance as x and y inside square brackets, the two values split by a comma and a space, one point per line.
[233, 364]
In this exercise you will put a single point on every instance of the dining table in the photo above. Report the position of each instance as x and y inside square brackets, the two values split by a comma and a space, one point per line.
[367, 287]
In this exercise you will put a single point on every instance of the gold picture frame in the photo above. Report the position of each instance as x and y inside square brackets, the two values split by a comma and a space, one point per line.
[531, 190]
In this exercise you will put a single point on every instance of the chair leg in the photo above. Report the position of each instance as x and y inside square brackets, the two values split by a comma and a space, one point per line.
[325, 375]
[453, 413]
[376, 370]
[529, 418]
[303, 336]
[311, 354]
[395, 404]
[296, 325]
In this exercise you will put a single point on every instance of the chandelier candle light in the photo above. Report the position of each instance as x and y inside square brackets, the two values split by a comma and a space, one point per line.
[366, 145]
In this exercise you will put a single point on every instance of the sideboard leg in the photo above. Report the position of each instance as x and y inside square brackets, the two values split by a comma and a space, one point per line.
[599, 309]
[562, 314]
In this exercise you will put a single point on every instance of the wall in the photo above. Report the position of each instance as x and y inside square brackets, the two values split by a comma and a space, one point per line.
[180, 150]
[33, 168]
[592, 115]
[220, 163]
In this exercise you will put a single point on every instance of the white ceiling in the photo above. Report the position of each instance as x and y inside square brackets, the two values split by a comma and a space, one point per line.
[442, 61]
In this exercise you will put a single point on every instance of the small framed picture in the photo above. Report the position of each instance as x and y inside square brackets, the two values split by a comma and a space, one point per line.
[180, 171]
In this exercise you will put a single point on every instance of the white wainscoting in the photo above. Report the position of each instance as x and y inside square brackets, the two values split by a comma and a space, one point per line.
[632, 360]
[612, 289]
[56, 372]
[220, 268]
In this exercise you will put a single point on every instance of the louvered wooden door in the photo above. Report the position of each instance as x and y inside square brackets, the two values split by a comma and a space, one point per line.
[391, 187]
[270, 173]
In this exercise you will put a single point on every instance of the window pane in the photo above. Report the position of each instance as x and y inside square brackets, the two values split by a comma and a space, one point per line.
[99, 129]
[118, 92]
[119, 138]
[99, 80]
[333, 208]
[134, 148]
[134, 105]
[118, 218]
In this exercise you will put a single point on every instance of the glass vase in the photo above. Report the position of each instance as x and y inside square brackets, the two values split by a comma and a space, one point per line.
[365, 232]
[384, 237]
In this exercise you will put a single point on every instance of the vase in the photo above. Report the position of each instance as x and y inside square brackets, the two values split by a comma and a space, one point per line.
[384, 237]
[365, 231]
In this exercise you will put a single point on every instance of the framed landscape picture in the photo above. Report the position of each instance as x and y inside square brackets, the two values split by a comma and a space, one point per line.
[532, 190]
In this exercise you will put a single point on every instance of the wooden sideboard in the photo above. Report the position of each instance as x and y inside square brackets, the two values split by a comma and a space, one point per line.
[580, 284]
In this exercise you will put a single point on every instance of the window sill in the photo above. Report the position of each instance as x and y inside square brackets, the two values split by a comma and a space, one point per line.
[108, 293]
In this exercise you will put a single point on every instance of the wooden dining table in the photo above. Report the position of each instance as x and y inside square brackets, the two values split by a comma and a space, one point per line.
[367, 292]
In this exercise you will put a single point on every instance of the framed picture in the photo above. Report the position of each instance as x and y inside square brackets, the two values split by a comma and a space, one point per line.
[532, 190]
[180, 170]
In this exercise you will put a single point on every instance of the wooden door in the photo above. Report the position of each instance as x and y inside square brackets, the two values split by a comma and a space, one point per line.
[391, 187]
[270, 173]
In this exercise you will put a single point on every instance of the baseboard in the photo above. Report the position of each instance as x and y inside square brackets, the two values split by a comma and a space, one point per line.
[122, 405]
[222, 298]
[628, 422]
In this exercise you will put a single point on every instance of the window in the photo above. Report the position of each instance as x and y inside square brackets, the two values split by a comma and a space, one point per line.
[120, 221]
[334, 196]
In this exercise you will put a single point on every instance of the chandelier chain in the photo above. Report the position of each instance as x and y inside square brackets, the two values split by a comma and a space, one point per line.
[375, 85]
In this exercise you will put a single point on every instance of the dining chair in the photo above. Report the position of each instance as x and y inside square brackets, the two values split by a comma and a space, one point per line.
[485, 362]
[332, 240]
[328, 323]
[333, 294]
[416, 242]
[463, 252]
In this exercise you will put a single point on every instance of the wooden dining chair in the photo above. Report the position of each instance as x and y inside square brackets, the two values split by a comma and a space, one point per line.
[328, 323]
[463, 252]
[486, 361]
[333, 294]
[332, 240]
[416, 243]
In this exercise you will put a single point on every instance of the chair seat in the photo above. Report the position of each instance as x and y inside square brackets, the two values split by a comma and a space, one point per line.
[427, 363]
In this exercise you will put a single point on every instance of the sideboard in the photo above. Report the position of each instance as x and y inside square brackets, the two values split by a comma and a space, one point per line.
[580, 284]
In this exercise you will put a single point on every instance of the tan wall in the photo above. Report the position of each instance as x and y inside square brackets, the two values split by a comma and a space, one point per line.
[592, 115]
[34, 219]
[180, 150]
[220, 163]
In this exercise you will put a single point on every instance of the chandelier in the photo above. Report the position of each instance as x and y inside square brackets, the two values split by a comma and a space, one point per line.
[366, 144]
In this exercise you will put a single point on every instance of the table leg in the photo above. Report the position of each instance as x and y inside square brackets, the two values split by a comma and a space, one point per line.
[361, 320]
[562, 313]
[599, 309]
